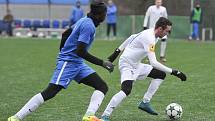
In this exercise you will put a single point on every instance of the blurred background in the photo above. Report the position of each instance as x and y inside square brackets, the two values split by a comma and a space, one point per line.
[48, 18]
[30, 33]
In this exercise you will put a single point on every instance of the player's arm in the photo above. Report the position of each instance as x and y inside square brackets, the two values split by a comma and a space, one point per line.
[83, 42]
[118, 50]
[146, 18]
[82, 52]
[153, 61]
[112, 10]
[64, 37]
[191, 16]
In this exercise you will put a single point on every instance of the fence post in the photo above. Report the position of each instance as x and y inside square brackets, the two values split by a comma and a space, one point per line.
[133, 19]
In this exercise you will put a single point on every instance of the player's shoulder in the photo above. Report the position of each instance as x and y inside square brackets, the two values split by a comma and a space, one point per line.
[152, 7]
[163, 8]
[87, 23]
[147, 31]
[134, 35]
[148, 35]
[87, 20]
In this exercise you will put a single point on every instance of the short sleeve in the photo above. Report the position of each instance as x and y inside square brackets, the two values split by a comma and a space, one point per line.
[86, 32]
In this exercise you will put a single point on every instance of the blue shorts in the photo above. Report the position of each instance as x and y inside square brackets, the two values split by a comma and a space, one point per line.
[65, 72]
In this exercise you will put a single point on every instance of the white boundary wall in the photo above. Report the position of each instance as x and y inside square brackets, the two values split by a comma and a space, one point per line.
[39, 11]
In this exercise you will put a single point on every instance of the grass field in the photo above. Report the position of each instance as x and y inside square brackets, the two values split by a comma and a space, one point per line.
[26, 66]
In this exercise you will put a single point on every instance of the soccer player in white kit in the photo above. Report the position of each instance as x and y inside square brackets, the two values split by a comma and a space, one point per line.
[135, 48]
[153, 13]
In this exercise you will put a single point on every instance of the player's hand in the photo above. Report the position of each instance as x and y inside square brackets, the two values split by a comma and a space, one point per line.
[108, 65]
[179, 74]
[144, 28]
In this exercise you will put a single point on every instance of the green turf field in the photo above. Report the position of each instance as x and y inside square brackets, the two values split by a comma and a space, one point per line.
[26, 66]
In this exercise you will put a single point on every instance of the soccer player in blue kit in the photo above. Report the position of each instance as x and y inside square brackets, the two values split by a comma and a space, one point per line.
[70, 66]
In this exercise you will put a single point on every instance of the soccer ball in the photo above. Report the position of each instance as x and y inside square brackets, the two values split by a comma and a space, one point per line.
[174, 111]
[29, 34]
[18, 34]
[41, 34]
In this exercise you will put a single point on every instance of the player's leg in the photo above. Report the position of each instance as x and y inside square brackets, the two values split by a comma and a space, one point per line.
[108, 29]
[114, 29]
[127, 79]
[197, 31]
[36, 101]
[163, 49]
[63, 73]
[126, 88]
[111, 31]
[193, 32]
[158, 77]
[101, 88]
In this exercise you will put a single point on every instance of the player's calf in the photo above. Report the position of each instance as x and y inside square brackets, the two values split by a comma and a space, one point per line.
[50, 91]
[126, 86]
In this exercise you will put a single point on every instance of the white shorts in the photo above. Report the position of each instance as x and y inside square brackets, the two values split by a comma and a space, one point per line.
[129, 72]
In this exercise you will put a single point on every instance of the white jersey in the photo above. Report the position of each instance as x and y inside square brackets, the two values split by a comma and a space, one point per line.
[139, 46]
[153, 13]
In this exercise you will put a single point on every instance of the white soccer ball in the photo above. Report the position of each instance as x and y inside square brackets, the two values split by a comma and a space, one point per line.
[29, 34]
[174, 111]
[18, 34]
[41, 34]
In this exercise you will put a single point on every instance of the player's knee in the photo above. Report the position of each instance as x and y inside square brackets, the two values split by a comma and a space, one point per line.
[163, 40]
[103, 88]
[161, 75]
[50, 91]
[127, 91]
[48, 95]
[157, 74]
[127, 87]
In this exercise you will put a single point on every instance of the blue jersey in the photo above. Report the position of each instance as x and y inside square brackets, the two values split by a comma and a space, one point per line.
[83, 31]
[111, 14]
[76, 14]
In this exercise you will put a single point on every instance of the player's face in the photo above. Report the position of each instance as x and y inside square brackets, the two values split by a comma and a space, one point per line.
[110, 2]
[158, 3]
[164, 32]
[102, 17]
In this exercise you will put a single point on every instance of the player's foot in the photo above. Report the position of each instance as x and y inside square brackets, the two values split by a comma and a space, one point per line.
[13, 118]
[91, 118]
[147, 108]
[105, 118]
[163, 59]
[190, 38]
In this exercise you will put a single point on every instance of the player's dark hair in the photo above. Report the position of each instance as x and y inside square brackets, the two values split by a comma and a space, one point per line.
[163, 22]
[97, 7]
[97, 12]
